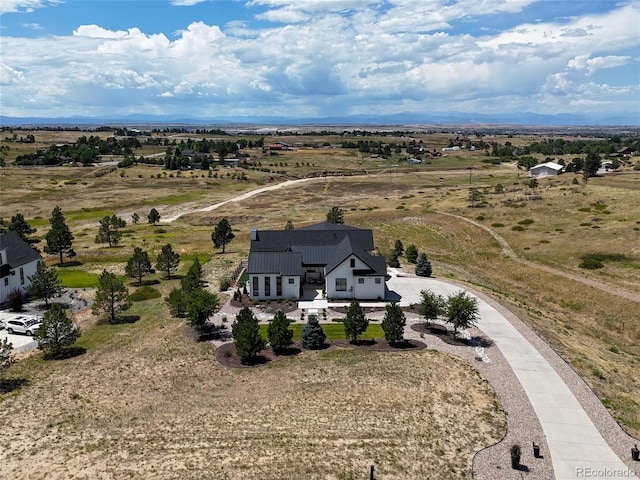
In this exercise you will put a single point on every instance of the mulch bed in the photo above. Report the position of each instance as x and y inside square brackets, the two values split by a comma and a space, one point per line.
[227, 356]
[447, 336]
[270, 306]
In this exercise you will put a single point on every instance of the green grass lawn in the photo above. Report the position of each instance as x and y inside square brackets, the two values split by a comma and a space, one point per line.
[74, 278]
[333, 331]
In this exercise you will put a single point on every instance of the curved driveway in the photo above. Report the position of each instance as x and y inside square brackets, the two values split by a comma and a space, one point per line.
[577, 448]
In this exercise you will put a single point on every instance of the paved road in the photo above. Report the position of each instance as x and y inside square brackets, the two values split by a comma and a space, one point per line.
[575, 444]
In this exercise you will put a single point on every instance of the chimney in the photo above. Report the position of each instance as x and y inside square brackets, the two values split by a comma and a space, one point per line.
[254, 234]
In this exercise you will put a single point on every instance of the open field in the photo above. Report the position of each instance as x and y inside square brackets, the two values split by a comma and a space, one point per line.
[144, 400]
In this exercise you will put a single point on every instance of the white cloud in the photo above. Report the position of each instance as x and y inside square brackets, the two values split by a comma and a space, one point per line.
[32, 26]
[186, 3]
[330, 57]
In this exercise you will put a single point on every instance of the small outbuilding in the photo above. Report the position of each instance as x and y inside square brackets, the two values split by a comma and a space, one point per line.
[546, 169]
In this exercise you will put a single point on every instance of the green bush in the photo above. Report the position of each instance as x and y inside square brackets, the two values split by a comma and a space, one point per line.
[591, 263]
[144, 293]
[526, 221]
[497, 225]
[517, 228]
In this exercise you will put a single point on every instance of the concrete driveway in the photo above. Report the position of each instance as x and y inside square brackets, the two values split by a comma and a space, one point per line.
[576, 446]
[21, 343]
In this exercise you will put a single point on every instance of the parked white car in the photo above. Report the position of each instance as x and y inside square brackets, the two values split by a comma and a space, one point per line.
[25, 325]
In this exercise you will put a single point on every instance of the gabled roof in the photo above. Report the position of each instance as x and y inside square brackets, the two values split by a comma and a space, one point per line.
[551, 165]
[346, 248]
[286, 264]
[318, 235]
[19, 252]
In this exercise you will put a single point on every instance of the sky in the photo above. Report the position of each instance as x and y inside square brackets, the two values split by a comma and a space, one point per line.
[318, 58]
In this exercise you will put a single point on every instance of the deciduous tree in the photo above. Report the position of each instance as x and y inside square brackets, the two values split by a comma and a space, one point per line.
[168, 260]
[462, 311]
[393, 324]
[355, 322]
[6, 354]
[138, 265]
[57, 331]
[59, 238]
[222, 234]
[111, 296]
[246, 335]
[431, 305]
[44, 283]
[278, 332]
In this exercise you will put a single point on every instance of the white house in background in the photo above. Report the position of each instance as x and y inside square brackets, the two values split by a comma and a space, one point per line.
[546, 169]
[336, 257]
[18, 263]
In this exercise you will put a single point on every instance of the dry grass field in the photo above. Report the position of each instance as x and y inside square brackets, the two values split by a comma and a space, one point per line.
[144, 400]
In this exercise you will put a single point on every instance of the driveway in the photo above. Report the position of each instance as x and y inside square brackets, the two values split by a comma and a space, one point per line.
[21, 343]
[576, 446]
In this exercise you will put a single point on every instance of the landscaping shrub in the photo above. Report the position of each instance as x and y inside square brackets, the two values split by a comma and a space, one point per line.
[15, 300]
[144, 293]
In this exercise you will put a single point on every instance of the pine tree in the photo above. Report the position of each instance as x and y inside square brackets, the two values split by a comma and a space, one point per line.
[355, 322]
[177, 302]
[398, 247]
[411, 253]
[193, 279]
[138, 265]
[59, 238]
[278, 332]
[393, 324]
[222, 234]
[335, 215]
[423, 266]
[168, 260]
[200, 305]
[246, 335]
[44, 283]
[21, 227]
[289, 225]
[111, 296]
[57, 331]
[135, 218]
[154, 216]
[109, 230]
[312, 335]
[6, 354]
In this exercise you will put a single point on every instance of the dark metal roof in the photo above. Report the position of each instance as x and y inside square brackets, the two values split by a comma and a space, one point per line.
[286, 263]
[18, 251]
[314, 255]
[346, 248]
[319, 235]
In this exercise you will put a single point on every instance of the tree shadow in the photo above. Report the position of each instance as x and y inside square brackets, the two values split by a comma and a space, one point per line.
[480, 341]
[403, 345]
[363, 342]
[71, 263]
[8, 385]
[522, 468]
[125, 319]
[69, 352]
[257, 360]
[287, 352]
[212, 332]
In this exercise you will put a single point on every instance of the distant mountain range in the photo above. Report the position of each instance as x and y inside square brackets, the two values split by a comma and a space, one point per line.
[453, 118]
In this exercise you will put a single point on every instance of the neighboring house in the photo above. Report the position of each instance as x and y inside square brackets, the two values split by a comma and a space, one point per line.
[338, 257]
[546, 169]
[17, 264]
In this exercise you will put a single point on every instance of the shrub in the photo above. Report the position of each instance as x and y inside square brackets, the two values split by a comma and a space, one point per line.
[224, 284]
[144, 293]
[517, 228]
[312, 335]
[590, 263]
[15, 300]
[526, 221]
[497, 225]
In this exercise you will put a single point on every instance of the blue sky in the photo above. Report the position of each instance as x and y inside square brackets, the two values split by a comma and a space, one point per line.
[318, 58]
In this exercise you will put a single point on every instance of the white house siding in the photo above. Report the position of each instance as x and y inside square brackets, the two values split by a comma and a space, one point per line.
[291, 291]
[13, 280]
[369, 290]
[543, 172]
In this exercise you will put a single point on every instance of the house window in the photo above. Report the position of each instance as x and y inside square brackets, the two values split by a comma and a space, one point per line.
[361, 281]
[292, 281]
[267, 286]
[278, 286]
[353, 263]
[378, 280]
[341, 284]
[6, 281]
[21, 276]
[256, 288]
